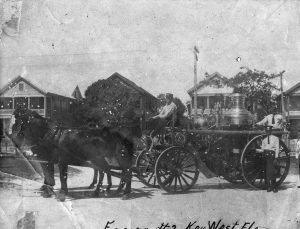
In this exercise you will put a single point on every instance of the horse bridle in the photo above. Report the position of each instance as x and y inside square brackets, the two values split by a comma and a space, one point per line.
[18, 126]
[24, 123]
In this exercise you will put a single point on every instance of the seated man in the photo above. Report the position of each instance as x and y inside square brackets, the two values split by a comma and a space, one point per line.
[166, 115]
[270, 148]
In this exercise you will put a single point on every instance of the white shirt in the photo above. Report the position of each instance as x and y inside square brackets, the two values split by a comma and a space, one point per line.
[272, 144]
[167, 110]
[298, 146]
[267, 121]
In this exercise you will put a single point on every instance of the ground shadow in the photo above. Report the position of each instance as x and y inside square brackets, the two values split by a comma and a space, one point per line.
[89, 194]
[195, 189]
[87, 189]
[245, 186]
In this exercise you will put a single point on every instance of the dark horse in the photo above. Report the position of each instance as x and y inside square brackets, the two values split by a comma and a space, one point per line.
[74, 147]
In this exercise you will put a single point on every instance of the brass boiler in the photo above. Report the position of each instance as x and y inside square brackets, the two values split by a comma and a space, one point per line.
[238, 115]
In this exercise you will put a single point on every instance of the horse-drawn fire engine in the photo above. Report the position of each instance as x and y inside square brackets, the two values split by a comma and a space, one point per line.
[229, 148]
[171, 160]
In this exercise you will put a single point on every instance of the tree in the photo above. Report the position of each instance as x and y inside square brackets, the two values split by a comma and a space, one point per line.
[110, 103]
[258, 87]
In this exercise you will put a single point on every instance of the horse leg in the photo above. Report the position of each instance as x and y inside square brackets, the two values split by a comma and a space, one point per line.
[63, 173]
[109, 183]
[128, 177]
[122, 183]
[125, 162]
[128, 171]
[49, 181]
[100, 181]
[92, 185]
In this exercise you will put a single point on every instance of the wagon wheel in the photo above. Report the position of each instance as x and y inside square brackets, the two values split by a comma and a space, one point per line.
[176, 169]
[253, 164]
[145, 164]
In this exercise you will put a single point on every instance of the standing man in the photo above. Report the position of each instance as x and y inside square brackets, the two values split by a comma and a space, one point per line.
[167, 114]
[275, 120]
[298, 155]
[270, 148]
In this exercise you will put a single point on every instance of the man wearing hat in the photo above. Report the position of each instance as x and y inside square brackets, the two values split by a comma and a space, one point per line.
[270, 148]
[298, 156]
[166, 115]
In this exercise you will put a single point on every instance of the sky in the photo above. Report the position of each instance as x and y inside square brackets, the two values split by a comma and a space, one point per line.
[63, 43]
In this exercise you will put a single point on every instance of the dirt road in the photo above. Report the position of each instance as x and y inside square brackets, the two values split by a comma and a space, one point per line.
[234, 206]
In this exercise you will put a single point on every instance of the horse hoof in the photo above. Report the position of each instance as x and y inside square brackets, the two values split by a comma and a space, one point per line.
[46, 194]
[43, 187]
[126, 196]
[96, 193]
[118, 191]
[47, 191]
[127, 191]
[106, 194]
[61, 197]
[91, 186]
[107, 190]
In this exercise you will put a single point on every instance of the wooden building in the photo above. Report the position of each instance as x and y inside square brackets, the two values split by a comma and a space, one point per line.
[210, 92]
[20, 92]
[147, 102]
[292, 107]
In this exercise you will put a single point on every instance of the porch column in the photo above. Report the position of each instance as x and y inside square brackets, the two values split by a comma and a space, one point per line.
[207, 105]
[29, 103]
[45, 105]
[288, 108]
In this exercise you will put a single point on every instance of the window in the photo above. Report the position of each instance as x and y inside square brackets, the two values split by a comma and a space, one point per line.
[201, 102]
[211, 101]
[294, 103]
[21, 87]
[227, 102]
[137, 104]
[2, 127]
[21, 102]
[6, 103]
[37, 103]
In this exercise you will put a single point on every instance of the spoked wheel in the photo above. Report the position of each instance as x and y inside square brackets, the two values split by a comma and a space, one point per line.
[176, 169]
[145, 167]
[254, 163]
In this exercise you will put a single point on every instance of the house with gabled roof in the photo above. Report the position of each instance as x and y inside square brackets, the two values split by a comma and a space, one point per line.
[292, 107]
[146, 100]
[208, 93]
[21, 92]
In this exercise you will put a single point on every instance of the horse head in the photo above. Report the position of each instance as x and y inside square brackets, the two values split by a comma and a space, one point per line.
[28, 126]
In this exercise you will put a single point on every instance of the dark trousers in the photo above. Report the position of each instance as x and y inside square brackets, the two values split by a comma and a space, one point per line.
[270, 168]
[48, 170]
[157, 125]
